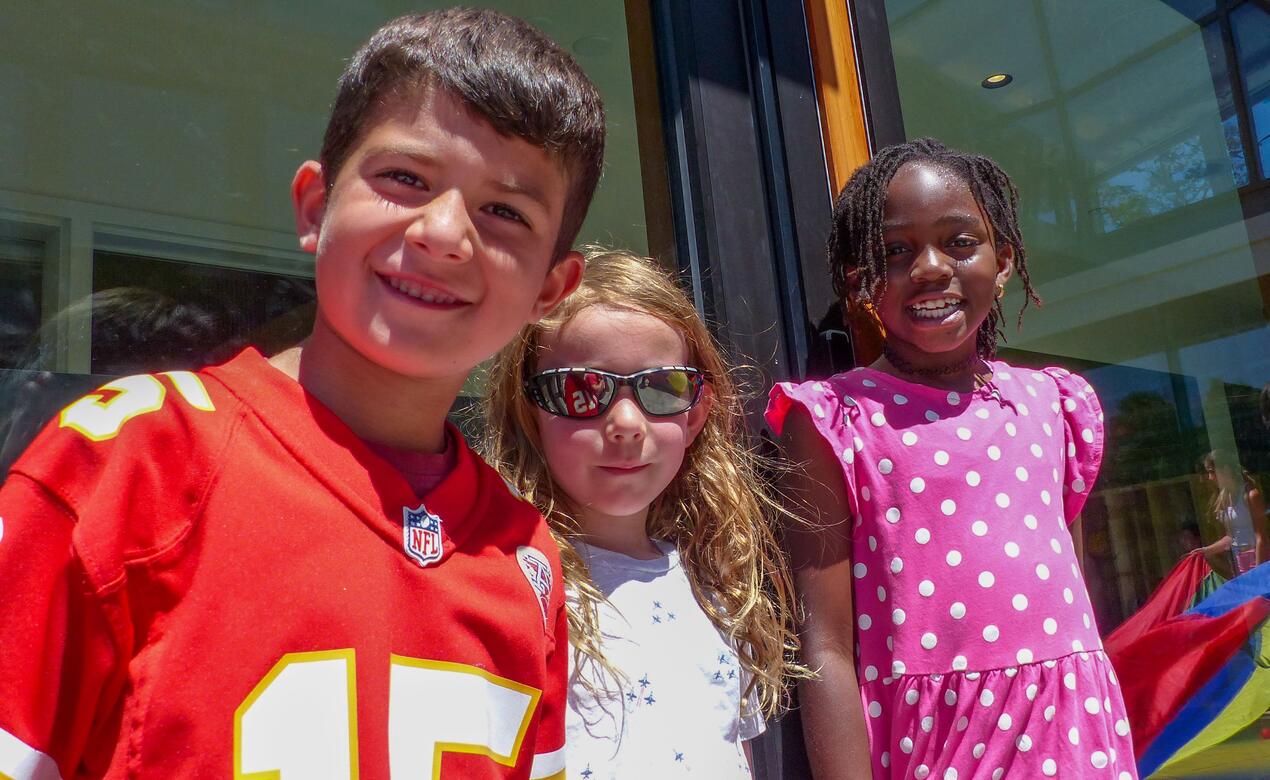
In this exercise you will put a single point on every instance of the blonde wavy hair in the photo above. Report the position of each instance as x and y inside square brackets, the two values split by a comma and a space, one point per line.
[716, 511]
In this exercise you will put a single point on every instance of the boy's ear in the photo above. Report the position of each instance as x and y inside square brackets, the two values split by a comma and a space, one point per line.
[698, 414]
[308, 198]
[562, 279]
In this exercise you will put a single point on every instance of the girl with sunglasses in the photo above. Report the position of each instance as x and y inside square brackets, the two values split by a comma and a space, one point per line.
[616, 416]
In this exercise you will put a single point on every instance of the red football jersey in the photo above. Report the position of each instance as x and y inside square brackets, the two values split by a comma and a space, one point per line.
[210, 575]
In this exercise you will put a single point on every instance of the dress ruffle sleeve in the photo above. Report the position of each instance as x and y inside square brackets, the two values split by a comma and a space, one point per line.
[834, 414]
[1084, 435]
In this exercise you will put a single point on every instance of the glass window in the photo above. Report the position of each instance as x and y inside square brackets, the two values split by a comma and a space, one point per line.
[1121, 129]
[146, 151]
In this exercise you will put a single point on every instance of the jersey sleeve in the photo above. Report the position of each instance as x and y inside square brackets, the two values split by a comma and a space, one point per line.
[832, 412]
[549, 751]
[1083, 438]
[60, 658]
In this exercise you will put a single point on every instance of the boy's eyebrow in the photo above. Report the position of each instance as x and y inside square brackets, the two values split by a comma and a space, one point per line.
[967, 220]
[527, 189]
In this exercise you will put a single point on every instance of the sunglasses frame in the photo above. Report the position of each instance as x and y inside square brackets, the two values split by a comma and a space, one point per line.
[695, 376]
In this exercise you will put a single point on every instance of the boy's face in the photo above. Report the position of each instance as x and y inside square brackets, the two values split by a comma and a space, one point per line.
[434, 245]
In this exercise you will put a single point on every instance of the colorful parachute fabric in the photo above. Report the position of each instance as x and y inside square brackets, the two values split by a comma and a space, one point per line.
[1194, 679]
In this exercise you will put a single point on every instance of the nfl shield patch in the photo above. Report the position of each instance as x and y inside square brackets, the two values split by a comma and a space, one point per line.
[421, 535]
[534, 565]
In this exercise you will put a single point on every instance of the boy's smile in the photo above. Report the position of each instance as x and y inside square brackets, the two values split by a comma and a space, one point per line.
[434, 244]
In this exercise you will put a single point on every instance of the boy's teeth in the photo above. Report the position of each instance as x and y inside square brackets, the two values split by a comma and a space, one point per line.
[415, 291]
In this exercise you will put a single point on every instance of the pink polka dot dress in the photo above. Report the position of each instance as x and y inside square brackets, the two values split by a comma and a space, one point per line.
[977, 653]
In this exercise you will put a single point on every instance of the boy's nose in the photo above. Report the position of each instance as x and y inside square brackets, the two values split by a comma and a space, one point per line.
[625, 420]
[442, 227]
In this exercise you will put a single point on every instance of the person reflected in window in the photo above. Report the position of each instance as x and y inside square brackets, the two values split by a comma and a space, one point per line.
[1240, 508]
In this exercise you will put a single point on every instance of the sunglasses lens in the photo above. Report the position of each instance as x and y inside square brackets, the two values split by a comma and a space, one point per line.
[669, 391]
[574, 393]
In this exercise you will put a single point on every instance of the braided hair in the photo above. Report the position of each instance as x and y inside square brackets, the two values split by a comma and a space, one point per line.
[857, 254]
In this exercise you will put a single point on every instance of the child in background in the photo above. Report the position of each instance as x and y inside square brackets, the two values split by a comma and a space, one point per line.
[945, 484]
[293, 567]
[617, 417]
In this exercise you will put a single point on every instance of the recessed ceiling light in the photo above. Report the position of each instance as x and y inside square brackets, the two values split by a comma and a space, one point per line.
[996, 81]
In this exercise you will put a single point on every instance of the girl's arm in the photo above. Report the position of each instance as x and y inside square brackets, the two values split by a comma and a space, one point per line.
[833, 718]
[1257, 508]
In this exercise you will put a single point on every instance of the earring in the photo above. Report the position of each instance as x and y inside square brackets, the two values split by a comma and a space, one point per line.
[1000, 291]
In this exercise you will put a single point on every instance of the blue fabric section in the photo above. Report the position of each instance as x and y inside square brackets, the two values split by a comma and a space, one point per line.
[1236, 592]
[1200, 711]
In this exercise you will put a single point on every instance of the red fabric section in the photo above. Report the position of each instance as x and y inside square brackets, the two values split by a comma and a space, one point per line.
[1161, 669]
[1173, 596]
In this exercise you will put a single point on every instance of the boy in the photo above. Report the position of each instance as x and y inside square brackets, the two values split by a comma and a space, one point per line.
[231, 573]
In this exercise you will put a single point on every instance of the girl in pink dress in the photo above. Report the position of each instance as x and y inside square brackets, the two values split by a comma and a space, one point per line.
[943, 489]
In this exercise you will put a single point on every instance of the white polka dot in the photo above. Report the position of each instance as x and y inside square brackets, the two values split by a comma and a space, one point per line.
[1069, 681]
[953, 557]
[1010, 429]
[1021, 474]
[875, 709]
[972, 478]
[1023, 743]
[929, 640]
[1030, 521]
[917, 485]
[1011, 671]
[1087, 436]
[1050, 625]
[910, 697]
[858, 443]
[926, 588]
[948, 506]
[986, 579]
[932, 415]
[1069, 404]
[873, 543]
[1036, 450]
[1124, 776]
[928, 723]
[1023, 410]
[978, 750]
[1067, 595]
[986, 697]
[864, 493]
[1045, 497]
[1019, 601]
[950, 774]
[941, 458]
[1003, 500]
[869, 383]
[1122, 727]
[909, 438]
[991, 634]
[906, 745]
[979, 528]
[1088, 622]
[1092, 705]
[859, 570]
[972, 675]
[1042, 571]
[865, 622]
[921, 772]
[881, 593]
[1106, 705]
[819, 410]
[1024, 656]
[899, 399]
[1056, 546]
[1054, 475]
[1049, 768]
[897, 616]
[982, 414]
[994, 452]
[922, 535]
[1078, 485]
[1012, 549]
[962, 723]
[1005, 721]
[885, 466]
[1073, 735]
[848, 455]
[1031, 391]
[954, 399]
[870, 673]
[897, 668]
[957, 610]
[886, 758]
[897, 565]
[959, 663]
[1077, 645]
[963, 434]
[893, 515]
[890, 643]
[1049, 713]
[1031, 691]
[950, 697]
[1071, 450]
[1049, 430]
[1098, 759]
[878, 419]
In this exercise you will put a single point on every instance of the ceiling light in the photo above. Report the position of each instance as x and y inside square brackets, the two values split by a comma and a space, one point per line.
[996, 81]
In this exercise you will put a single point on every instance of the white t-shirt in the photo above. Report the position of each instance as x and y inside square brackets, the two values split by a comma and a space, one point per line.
[677, 713]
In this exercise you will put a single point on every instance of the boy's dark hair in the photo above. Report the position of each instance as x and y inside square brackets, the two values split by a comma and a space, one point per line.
[503, 69]
[857, 255]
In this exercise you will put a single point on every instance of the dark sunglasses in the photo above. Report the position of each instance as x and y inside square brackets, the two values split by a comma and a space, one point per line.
[586, 392]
